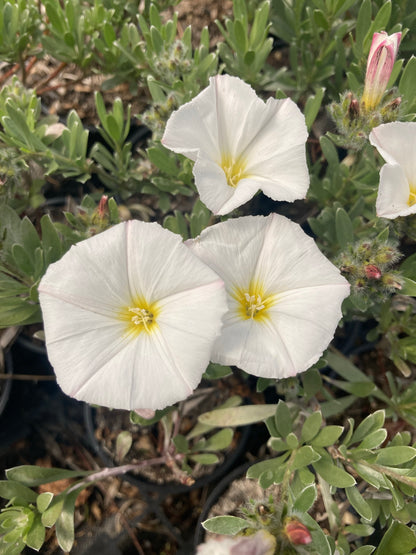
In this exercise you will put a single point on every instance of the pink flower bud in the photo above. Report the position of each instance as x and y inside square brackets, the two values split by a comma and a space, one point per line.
[380, 63]
[372, 272]
[102, 205]
[297, 533]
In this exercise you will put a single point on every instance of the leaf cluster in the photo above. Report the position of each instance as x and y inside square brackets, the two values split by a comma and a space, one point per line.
[24, 520]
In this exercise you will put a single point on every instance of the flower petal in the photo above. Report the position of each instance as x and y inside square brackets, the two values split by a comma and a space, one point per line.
[193, 127]
[95, 288]
[100, 356]
[241, 114]
[300, 291]
[396, 142]
[168, 267]
[219, 244]
[393, 193]
[285, 176]
[214, 190]
[248, 145]
[282, 129]
[290, 260]
[255, 348]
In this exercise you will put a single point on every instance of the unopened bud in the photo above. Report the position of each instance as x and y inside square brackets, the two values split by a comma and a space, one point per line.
[372, 271]
[383, 52]
[354, 109]
[394, 104]
[102, 206]
[391, 281]
[297, 533]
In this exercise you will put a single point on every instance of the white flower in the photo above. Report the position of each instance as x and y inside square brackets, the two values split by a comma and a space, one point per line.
[284, 296]
[240, 144]
[130, 317]
[396, 142]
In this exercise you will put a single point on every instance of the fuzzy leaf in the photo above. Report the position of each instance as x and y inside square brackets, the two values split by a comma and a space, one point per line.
[226, 525]
[312, 107]
[123, 444]
[283, 419]
[237, 416]
[373, 440]
[359, 529]
[311, 427]
[305, 499]
[33, 476]
[358, 502]
[43, 501]
[10, 489]
[65, 522]
[304, 457]
[205, 458]
[371, 423]
[220, 440]
[364, 550]
[334, 475]
[393, 456]
[181, 443]
[256, 470]
[398, 540]
[36, 535]
[327, 436]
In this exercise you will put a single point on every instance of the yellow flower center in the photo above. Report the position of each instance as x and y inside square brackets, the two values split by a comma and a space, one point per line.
[412, 196]
[252, 302]
[234, 169]
[141, 317]
[253, 305]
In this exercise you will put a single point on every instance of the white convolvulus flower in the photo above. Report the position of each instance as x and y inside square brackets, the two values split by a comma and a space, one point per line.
[260, 543]
[130, 317]
[396, 142]
[284, 296]
[240, 144]
[380, 62]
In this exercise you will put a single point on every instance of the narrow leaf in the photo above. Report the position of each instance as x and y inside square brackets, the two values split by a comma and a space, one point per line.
[237, 416]
[227, 525]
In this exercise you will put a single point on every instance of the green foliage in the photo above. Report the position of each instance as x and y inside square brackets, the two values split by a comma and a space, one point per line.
[20, 30]
[27, 514]
[320, 48]
[25, 256]
[247, 44]
[227, 525]
[315, 34]
[24, 259]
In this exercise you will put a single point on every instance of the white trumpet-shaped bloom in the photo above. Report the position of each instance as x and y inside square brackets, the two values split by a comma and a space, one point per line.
[240, 144]
[130, 317]
[284, 296]
[396, 142]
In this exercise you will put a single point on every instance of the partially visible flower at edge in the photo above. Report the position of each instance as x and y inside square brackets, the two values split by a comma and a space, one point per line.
[284, 295]
[240, 144]
[380, 62]
[396, 142]
[130, 317]
[260, 543]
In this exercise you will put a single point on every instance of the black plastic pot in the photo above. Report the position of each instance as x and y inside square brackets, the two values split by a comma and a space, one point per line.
[163, 490]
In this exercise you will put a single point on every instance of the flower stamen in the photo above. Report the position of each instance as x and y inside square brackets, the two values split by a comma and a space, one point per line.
[253, 305]
[140, 316]
[234, 169]
[143, 317]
